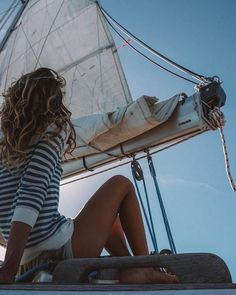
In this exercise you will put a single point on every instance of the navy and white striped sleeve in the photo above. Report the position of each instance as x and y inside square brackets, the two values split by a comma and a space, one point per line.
[33, 186]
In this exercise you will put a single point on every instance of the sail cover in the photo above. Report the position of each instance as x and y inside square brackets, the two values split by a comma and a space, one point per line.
[71, 37]
[100, 132]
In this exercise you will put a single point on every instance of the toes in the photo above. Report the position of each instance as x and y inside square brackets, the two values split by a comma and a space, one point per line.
[172, 278]
[168, 278]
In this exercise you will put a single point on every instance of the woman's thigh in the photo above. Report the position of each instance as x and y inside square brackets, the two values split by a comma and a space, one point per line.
[94, 223]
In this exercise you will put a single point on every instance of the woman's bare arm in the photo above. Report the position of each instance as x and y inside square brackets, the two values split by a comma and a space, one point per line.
[2, 241]
[15, 247]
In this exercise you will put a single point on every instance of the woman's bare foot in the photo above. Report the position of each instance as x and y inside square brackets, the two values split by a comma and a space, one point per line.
[146, 276]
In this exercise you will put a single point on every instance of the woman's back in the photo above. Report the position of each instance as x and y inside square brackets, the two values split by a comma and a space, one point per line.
[32, 195]
[36, 126]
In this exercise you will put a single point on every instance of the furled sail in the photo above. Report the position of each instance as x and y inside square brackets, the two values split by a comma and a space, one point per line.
[140, 125]
[96, 133]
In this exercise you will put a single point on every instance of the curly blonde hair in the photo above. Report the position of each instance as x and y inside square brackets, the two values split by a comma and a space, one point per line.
[32, 103]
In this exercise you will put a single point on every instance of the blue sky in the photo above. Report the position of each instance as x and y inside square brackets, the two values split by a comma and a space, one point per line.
[201, 36]
[199, 202]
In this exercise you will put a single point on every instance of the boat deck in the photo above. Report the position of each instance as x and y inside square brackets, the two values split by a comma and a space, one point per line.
[165, 289]
[199, 273]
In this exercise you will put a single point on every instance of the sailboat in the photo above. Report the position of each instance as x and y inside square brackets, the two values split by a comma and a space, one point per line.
[73, 38]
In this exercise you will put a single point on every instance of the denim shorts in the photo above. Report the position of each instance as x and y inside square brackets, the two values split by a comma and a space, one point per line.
[63, 253]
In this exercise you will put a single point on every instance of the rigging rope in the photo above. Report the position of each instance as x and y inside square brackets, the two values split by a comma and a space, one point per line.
[195, 75]
[217, 119]
[7, 10]
[163, 211]
[137, 174]
[146, 57]
[13, 24]
[8, 14]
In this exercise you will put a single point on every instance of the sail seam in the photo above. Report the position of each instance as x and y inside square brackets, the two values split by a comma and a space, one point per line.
[128, 96]
[31, 47]
[9, 63]
[49, 33]
[86, 57]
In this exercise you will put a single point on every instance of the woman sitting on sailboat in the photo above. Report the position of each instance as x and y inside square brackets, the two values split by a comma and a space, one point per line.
[37, 133]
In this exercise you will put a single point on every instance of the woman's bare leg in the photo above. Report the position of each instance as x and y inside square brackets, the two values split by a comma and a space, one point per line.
[116, 244]
[94, 223]
[93, 226]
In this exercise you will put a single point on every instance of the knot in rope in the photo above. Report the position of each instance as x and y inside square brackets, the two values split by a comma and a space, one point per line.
[216, 118]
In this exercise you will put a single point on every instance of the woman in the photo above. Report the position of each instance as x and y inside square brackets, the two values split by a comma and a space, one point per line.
[35, 126]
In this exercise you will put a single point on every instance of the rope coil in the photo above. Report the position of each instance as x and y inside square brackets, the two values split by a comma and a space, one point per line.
[216, 117]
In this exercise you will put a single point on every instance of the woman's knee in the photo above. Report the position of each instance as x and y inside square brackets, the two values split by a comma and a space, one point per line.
[122, 182]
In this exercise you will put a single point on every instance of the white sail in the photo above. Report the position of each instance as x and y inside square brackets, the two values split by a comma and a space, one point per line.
[71, 37]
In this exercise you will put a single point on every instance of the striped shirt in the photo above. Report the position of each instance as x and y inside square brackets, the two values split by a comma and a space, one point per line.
[32, 195]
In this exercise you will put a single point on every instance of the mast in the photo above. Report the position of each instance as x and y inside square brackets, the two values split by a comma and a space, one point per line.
[13, 24]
